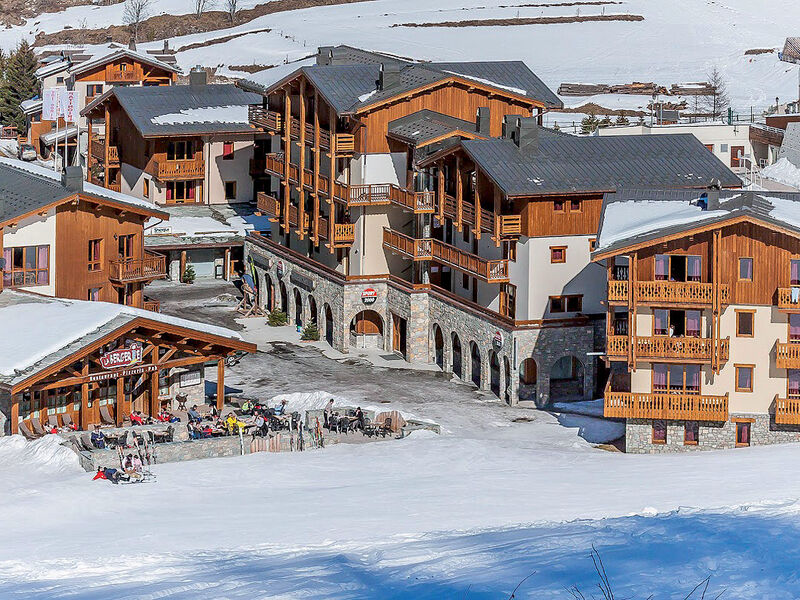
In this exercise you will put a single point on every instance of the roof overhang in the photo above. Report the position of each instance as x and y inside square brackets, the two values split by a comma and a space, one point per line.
[121, 53]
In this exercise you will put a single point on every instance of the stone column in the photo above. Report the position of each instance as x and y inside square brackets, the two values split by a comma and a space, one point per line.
[417, 328]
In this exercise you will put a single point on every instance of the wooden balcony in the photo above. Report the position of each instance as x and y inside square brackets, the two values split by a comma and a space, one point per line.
[663, 348]
[490, 271]
[268, 205]
[345, 143]
[787, 411]
[510, 225]
[787, 356]
[785, 299]
[152, 305]
[177, 170]
[119, 76]
[667, 405]
[152, 266]
[388, 193]
[468, 215]
[344, 234]
[272, 121]
[98, 149]
[114, 187]
[264, 118]
[693, 293]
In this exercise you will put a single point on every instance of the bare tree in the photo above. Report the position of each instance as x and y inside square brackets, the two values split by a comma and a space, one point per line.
[201, 6]
[232, 8]
[718, 101]
[134, 14]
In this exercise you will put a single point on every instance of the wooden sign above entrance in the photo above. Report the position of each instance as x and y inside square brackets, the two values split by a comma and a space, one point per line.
[122, 373]
[122, 357]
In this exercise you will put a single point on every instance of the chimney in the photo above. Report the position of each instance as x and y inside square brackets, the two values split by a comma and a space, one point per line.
[166, 46]
[325, 55]
[132, 44]
[509, 127]
[528, 134]
[389, 76]
[198, 76]
[483, 121]
[109, 38]
[72, 179]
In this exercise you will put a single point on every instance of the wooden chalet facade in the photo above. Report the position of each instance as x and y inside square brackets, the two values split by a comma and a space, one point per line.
[703, 318]
[103, 362]
[153, 150]
[91, 74]
[62, 238]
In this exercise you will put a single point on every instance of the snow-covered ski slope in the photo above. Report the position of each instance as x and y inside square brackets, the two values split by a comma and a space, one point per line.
[678, 40]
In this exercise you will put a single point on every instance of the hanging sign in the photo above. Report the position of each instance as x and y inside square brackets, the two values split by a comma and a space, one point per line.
[497, 340]
[369, 296]
[122, 357]
[69, 106]
[51, 103]
[280, 269]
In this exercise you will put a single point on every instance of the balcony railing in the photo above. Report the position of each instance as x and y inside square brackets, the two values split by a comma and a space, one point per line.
[510, 225]
[345, 143]
[787, 356]
[114, 187]
[262, 117]
[272, 120]
[667, 405]
[667, 292]
[468, 214]
[152, 266]
[119, 76]
[268, 205]
[789, 298]
[152, 305]
[491, 271]
[113, 154]
[174, 170]
[663, 347]
[99, 150]
[344, 234]
[787, 411]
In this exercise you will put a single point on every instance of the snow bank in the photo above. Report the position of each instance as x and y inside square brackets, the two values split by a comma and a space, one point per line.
[783, 172]
[45, 455]
[209, 114]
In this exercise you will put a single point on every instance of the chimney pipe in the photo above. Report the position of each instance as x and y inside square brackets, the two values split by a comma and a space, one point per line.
[389, 76]
[483, 121]
[325, 55]
[132, 44]
[198, 76]
[528, 134]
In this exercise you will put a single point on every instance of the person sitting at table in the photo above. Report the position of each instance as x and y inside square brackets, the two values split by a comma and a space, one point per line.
[98, 438]
[359, 418]
[247, 407]
[195, 432]
[137, 418]
[280, 410]
[327, 413]
[193, 414]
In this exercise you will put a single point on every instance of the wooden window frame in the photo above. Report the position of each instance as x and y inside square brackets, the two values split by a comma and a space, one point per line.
[561, 299]
[228, 155]
[563, 259]
[128, 246]
[562, 209]
[653, 439]
[691, 442]
[739, 269]
[146, 188]
[742, 421]
[95, 262]
[752, 378]
[10, 270]
[89, 294]
[753, 322]
[575, 210]
[684, 389]
[592, 244]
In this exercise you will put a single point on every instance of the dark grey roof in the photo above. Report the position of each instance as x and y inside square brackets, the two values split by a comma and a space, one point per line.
[563, 163]
[512, 74]
[633, 216]
[25, 188]
[421, 126]
[143, 104]
[349, 81]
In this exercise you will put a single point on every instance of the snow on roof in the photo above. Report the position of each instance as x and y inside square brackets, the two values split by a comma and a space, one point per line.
[31, 105]
[89, 188]
[210, 114]
[58, 134]
[191, 226]
[269, 77]
[783, 171]
[35, 327]
[631, 218]
[491, 83]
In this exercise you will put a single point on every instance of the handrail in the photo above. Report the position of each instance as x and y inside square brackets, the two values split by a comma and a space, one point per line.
[655, 347]
[685, 292]
[667, 405]
[787, 355]
[787, 411]
[152, 266]
[192, 168]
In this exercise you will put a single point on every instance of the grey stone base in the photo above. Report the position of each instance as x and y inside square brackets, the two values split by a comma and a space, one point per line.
[713, 435]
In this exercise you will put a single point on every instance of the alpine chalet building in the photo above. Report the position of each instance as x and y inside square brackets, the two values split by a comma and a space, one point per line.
[421, 208]
[703, 317]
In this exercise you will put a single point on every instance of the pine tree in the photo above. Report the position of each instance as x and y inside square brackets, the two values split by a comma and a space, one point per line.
[19, 84]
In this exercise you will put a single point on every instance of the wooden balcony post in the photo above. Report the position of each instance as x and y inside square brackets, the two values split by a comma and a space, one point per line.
[715, 301]
[632, 294]
[497, 211]
[440, 195]
[154, 384]
[84, 419]
[301, 171]
[459, 193]
[332, 176]
[315, 184]
[609, 308]
[119, 413]
[477, 228]
[287, 156]
[220, 384]
[15, 413]
[107, 115]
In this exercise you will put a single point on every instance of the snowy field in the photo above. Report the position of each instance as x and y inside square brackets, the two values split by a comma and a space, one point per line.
[677, 41]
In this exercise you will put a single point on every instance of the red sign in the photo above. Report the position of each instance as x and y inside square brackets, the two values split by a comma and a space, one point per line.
[369, 296]
[122, 357]
[497, 341]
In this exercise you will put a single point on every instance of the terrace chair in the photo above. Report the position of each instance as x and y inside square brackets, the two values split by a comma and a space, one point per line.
[66, 420]
[86, 441]
[385, 427]
[27, 433]
[37, 427]
[105, 416]
[52, 421]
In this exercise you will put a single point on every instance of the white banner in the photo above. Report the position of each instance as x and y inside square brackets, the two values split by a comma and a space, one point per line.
[51, 104]
[69, 106]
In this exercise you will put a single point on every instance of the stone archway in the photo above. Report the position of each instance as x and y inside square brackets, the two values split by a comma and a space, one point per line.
[458, 359]
[367, 329]
[284, 298]
[494, 373]
[438, 346]
[566, 379]
[298, 308]
[329, 325]
[507, 380]
[312, 309]
[528, 379]
[269, 293]
[475, 364]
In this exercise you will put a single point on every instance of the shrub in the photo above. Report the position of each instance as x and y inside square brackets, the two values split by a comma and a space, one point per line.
[310, 332]
[189, 274]
[276, 318]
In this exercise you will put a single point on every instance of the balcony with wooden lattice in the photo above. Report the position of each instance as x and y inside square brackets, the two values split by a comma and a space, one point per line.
[675, 293]
[670, 405]
[787, 410]
[152, 266]
[666, 349]
[787, 355]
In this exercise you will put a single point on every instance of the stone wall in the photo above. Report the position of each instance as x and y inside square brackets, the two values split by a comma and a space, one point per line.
[713, 435]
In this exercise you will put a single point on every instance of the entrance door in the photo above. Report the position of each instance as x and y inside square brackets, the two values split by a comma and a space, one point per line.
[399, 334]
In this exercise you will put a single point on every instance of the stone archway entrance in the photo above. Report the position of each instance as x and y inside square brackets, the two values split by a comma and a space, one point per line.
[528, 379]
[475, 364]
[457, 357]
[438, 346]
[366, 329]
[494, 373]
[566, 379]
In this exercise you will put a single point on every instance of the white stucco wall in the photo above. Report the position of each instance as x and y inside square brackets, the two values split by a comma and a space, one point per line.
[36, 231]
[218, 171]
